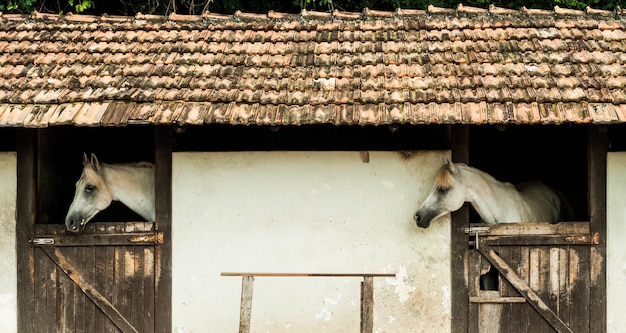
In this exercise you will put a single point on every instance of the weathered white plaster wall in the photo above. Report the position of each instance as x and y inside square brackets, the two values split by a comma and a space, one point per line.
[8, 267]
[616, 229]
[307, 212]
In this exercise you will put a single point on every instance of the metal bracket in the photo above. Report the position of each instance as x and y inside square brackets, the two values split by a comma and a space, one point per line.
[156, 238]
[476, 231]
[42, 241]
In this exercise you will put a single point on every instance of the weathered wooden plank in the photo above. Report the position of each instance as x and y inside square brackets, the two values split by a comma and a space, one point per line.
[517, 319]
[537, 228]
[460, 308]
[80, 300]
[533, 299]
[91, 312]
[597, 154]
[502, 300]
[71, 272]
[45, 283]
[128, 293]
[474, 264]
[526, 311]
[25, 219]
[490, 313]
[109, 283]
[138, 288]
[503, 286]
[245, 313]
[367, 304]
[542, 291]
[163, 253]
[148, 289]
[566, 239]
[284, 274]
[138, 238]
[565, 299]
[580, 281]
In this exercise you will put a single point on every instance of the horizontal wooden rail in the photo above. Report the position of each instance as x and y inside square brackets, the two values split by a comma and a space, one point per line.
[367, 294]
[308, 274]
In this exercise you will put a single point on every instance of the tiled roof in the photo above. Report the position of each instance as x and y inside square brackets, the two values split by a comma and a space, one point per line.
[463, 65]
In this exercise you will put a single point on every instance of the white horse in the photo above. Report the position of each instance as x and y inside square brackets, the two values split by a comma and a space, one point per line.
[99, 184]
[495, 201]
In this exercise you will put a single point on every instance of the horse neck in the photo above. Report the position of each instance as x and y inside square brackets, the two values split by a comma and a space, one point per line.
[132, 185]
[487, 195]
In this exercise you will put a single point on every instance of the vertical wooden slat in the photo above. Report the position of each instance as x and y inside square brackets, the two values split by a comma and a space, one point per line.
[245, 313]
[148, 296]
[505, 314]
[526, 311]
[138, 286]
[25, 216]
[80, 300]
[163, 252]
[565, 299]
[459, 253]
[597, 154]
[579, 281]
[474, 263]
[107, 279]
[90, 271]
[45, 293]
[367, 304]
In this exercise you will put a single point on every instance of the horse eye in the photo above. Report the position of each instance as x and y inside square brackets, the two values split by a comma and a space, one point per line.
[89, 188]
[442, 190]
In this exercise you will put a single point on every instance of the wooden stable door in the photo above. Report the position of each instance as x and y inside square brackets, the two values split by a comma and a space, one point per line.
[531, 277]
[101, 280]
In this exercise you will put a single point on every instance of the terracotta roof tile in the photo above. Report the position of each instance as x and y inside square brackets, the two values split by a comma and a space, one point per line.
[462, 65]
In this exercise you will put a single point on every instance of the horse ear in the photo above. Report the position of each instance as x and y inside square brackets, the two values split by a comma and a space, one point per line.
[446, 162]
[451, 166]
[94, 162]
[85, 159]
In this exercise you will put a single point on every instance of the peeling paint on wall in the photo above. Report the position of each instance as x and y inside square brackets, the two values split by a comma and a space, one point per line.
[8, 266]
[401, 287]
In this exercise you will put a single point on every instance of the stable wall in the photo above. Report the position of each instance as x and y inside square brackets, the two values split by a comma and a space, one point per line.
[307, 212]
[8, 266]
[616, 229]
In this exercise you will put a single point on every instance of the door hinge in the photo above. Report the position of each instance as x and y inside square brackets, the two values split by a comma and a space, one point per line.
[156, 238]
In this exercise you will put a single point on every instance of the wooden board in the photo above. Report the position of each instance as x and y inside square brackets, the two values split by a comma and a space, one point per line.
[94, 288]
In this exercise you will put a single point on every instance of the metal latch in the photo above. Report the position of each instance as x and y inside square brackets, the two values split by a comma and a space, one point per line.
[42, 241]
[476, 231]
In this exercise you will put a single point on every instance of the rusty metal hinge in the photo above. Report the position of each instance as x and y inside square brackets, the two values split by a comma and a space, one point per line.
[156, 238]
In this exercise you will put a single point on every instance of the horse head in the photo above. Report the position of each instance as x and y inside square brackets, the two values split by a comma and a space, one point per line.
[92, 195]
[445, 196]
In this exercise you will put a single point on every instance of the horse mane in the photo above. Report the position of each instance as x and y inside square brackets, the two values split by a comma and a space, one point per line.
[132, 164]
[444, 179]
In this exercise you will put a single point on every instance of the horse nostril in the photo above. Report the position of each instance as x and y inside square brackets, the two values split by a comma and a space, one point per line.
[416, 217]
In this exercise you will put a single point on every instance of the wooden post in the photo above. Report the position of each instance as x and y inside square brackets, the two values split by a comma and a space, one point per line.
[245, 313]
[25, 216]
[459, 252]
[163, 210]
[367, 304]
[597, 165]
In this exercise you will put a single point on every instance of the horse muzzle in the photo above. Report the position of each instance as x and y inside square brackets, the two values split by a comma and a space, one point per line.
[75, 225]
[422, 219]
